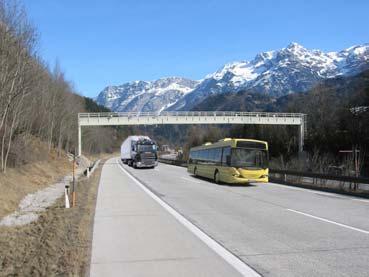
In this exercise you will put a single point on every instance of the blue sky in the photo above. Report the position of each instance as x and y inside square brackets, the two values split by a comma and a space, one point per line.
[100, 43]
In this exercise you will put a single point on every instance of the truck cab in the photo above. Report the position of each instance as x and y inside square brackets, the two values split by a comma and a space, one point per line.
[139, 152]
[144, 154]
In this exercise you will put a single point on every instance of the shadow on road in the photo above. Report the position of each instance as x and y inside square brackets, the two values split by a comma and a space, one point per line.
[222, 184]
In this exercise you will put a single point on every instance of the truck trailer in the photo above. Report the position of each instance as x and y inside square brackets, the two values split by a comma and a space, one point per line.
[139, 152]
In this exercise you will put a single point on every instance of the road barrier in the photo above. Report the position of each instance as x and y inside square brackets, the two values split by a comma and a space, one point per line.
[334, 183]
[173, 162]
[89, 170]
[358, 186]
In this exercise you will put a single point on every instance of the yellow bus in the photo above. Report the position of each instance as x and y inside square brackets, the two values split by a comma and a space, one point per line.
[237, 161]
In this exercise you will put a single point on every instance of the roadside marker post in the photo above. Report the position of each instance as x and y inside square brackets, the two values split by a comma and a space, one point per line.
[88, 172]
[66, 192]
[74, 180]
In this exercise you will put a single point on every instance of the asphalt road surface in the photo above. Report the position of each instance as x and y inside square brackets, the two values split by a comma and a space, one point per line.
[274, 229]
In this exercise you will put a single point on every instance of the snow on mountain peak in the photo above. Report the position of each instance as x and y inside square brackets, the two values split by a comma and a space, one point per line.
[295, 46]
[146, 95]
[277, 73]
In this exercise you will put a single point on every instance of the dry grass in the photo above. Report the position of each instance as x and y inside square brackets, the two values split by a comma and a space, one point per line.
[58, 244]
[102, 156]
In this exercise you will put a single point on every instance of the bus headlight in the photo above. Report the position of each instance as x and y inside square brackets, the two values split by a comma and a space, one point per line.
[236, 173]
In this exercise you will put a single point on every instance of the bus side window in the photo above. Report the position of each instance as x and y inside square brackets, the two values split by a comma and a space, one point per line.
[226, 156]
[202, 155]
[196, 156]
[206, 154]
[212, 155]
[218, 156]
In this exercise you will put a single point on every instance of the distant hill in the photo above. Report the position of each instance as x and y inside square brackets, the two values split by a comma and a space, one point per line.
[92, 107]
[340, 91]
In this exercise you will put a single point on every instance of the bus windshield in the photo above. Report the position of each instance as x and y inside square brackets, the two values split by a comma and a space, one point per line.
[249, 158]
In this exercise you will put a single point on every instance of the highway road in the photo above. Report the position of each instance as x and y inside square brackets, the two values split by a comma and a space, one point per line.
[275, 230]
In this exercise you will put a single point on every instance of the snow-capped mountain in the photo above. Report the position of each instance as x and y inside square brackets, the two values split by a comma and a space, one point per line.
[145, 96]
[280, 72]
[276, 73]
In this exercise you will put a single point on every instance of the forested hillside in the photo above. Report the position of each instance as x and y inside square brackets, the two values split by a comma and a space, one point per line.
[338, 113]
[36, 102]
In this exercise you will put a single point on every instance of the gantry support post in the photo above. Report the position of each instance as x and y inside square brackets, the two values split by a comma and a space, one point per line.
[301, 138]
[301, 135]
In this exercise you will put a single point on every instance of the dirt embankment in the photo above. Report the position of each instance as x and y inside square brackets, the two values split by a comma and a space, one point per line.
[58, 243]
[44, 169]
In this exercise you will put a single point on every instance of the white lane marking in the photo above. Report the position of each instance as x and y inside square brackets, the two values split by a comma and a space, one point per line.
[234, 261]
[331, 194]
[288, 187]
[330, 221]
[360, 200]
[187, 179]
[321, 193]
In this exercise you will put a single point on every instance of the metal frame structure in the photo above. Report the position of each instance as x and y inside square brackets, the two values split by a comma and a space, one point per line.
[198, 117]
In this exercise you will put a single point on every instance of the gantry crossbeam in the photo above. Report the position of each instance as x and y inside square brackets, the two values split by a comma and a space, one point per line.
[218, 117]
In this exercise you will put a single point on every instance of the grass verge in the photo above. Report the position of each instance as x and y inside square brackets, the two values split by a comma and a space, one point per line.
[58, 243]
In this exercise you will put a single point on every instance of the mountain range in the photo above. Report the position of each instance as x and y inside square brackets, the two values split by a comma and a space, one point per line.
[269, 75]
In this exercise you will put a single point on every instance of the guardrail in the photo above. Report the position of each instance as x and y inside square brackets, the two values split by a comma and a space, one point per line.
[173, 162]
[358, 186]
[350, 185]
[322, 176]
[185, 113]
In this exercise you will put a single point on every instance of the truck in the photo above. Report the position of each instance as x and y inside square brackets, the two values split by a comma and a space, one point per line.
[139, 152]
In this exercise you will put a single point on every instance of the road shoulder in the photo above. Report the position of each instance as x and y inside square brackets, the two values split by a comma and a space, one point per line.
[134, 235]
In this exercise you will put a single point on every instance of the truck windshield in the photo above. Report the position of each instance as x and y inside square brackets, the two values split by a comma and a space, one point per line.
[249, 158]
[146, 148]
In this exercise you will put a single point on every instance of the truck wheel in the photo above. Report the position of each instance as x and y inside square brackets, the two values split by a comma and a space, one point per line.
[134, 165]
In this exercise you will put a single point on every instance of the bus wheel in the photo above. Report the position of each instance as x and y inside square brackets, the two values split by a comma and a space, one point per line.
[216, 177]
[195, 171]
